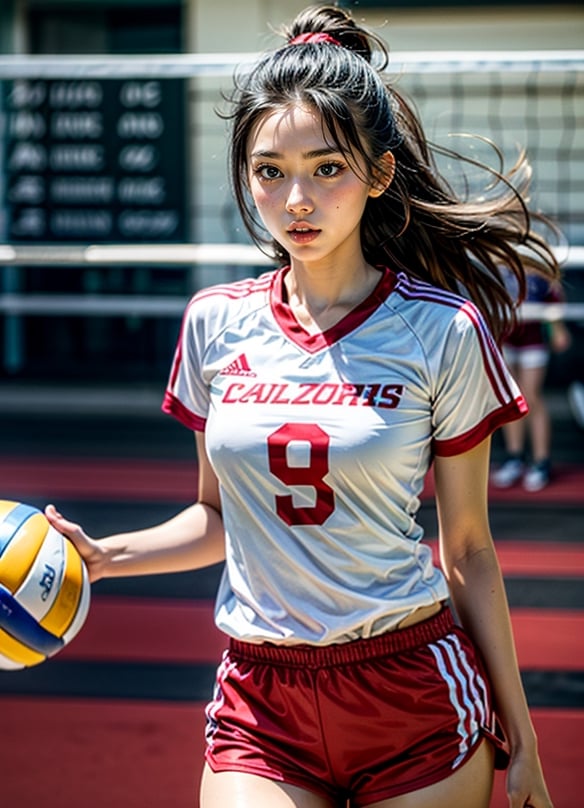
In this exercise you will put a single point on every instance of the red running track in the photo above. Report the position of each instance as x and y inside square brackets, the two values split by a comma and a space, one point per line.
[75, 752]
[176, 481]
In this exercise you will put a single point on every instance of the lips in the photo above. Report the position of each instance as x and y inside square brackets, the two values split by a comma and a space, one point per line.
[302, 233]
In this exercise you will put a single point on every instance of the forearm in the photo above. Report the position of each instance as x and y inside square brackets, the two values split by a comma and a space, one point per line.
[190, 540]
[478, 595]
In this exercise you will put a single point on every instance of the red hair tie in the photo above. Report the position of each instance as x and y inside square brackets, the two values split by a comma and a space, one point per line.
[304, 39]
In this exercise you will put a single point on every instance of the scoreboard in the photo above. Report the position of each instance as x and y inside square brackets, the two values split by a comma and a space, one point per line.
[94, 161]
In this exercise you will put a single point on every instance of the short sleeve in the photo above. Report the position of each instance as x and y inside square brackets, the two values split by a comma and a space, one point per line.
[187, 396]
[474, 392]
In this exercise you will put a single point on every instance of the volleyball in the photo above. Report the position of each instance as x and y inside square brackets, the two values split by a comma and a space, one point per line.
[44, 588]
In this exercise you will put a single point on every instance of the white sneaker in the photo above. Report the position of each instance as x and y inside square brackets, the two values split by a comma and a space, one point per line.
[508, 474]
[576, 401]
[537, 476]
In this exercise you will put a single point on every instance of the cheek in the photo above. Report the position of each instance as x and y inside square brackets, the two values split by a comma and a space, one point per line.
[260, 196]
[352, 202]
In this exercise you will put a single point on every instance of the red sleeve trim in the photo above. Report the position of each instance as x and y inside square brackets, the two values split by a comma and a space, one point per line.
[172, 406]
[468, 440]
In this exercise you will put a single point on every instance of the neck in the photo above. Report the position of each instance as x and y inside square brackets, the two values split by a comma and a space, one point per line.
[321, 297]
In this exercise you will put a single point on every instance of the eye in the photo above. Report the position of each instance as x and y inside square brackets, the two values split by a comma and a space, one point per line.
[267, 172]
[330, 169]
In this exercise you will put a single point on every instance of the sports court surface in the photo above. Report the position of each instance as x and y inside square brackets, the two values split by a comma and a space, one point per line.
[117, 718]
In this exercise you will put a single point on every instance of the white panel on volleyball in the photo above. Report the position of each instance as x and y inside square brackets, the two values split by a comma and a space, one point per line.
[41, 586]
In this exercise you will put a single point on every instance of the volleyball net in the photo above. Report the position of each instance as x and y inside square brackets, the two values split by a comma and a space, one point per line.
[86, 213]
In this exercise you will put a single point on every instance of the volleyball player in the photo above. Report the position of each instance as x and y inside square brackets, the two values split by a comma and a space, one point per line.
[320, 394]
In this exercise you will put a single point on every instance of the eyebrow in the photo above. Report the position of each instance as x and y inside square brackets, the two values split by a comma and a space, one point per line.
[314, 154]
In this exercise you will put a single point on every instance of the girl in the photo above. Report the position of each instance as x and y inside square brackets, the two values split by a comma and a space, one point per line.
[320, 393]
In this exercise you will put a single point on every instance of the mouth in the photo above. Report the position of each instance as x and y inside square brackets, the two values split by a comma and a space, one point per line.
[302, 233]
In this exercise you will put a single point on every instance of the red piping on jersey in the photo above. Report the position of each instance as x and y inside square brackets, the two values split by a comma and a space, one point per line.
[234, 291]
[500, 382]
[468, 440]
[238, 289]
[172, 406]
[178, 352]
[315, 342]
[418, 290]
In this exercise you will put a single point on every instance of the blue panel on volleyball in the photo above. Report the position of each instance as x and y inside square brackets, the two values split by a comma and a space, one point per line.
[21, 625]
[12, 522]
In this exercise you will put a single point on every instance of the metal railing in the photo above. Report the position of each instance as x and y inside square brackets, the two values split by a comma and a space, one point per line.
[127, 255]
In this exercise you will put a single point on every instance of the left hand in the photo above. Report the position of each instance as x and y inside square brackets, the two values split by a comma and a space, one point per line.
[526, 787]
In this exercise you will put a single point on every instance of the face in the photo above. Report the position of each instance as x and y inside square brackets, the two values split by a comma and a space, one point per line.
[310, 198]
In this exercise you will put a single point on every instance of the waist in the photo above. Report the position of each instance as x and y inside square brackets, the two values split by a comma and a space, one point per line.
[419, 615]
[431, 623]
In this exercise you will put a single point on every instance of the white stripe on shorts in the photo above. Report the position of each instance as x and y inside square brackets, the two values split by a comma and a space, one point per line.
[464, 697]
[217, 701]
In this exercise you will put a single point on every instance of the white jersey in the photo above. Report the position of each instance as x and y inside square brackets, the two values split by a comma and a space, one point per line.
[321, 443]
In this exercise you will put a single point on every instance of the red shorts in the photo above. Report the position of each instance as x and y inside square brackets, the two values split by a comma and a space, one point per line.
[365, 720]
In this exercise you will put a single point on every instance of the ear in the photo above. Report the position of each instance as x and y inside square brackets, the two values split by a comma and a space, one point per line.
[384, 175]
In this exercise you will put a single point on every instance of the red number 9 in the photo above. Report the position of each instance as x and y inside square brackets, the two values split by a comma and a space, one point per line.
[313, 474]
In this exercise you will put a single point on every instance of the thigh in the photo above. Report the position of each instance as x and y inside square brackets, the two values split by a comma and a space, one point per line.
[242, 790]
[531, 381]
[469, 787]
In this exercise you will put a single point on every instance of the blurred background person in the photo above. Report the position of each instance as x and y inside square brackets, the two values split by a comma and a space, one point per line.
[527, 350]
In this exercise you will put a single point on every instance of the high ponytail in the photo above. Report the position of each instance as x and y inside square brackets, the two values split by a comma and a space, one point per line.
[339, 25]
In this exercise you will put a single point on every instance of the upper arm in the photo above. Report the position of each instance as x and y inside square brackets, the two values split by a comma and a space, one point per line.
[208, 489]
[461, 498]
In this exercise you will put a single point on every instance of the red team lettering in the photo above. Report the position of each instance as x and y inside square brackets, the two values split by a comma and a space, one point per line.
[384, 396]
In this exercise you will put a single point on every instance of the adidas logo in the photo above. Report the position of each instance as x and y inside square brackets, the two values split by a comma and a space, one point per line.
[239, 367]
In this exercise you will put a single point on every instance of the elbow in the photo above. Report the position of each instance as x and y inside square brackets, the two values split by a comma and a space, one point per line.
[468, 561]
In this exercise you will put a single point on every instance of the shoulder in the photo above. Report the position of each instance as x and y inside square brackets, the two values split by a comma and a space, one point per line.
[226, 294]
[428, 307]
[223, 302]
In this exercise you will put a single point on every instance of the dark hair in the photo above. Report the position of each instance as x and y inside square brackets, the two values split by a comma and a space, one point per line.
[419, 224]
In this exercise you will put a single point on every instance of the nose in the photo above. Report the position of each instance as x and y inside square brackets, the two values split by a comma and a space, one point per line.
[298, 199]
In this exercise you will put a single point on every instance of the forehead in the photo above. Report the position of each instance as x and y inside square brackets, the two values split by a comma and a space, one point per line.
[289, 127]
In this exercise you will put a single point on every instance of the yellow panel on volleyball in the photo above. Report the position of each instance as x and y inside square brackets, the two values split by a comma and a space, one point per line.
[16, 651]
[22, 550]
[63, 611]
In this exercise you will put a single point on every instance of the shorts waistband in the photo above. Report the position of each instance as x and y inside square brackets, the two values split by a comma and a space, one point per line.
[321, 656]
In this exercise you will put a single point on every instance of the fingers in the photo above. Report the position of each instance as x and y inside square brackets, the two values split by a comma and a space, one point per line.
[522, 798]
[89, 549]
[58, 521]
[71, 531]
